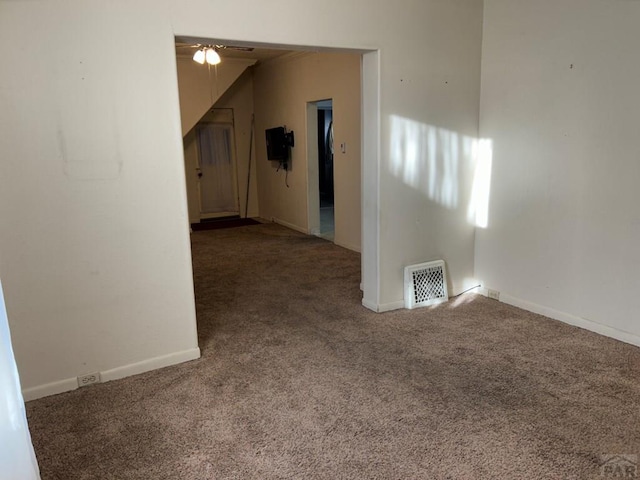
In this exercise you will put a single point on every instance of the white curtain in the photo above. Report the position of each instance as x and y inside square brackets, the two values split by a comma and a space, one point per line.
[17, 459]
[217, 191]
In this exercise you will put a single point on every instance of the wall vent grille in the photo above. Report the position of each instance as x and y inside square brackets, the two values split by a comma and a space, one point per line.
[425, 284]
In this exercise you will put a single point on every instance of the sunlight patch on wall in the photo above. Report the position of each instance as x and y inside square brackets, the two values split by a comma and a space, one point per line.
[435, 161]
[430, 159]
[478, 212]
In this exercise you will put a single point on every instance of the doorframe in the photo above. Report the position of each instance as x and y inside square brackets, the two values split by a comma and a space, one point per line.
[371, 119]
[370, 180]
[313, 174]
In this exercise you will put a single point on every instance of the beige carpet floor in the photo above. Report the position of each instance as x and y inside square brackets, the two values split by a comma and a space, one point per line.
[299, 381]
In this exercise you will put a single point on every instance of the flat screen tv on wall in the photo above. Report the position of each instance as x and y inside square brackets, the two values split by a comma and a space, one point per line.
[279, 142]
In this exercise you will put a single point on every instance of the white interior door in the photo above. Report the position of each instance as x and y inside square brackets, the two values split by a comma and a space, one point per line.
[217, 170]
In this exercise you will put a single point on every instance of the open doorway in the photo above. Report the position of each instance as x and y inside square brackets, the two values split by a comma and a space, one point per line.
[350, 201]
[320, 166]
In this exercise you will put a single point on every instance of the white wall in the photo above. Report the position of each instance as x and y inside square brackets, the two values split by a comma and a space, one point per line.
[94, 238]
[429, 127]
[94, 244]
[282, 89]
[560, 103]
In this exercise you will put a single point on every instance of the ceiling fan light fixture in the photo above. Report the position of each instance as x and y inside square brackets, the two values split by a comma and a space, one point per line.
[199, 56]
[212, 56]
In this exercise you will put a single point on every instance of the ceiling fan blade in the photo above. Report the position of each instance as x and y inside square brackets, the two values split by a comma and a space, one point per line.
[238, 48]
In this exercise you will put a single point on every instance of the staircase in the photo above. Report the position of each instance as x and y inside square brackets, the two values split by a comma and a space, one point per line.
[200, 86]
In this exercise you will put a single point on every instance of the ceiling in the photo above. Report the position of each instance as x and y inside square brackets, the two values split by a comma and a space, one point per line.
[186, 49]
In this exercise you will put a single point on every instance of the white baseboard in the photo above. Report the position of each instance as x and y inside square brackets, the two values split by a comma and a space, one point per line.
[289, 225]
[383, 307]
[353, 248]
[370, 305]
[69, 384]
[482, 291]
[387, 307]
[150, 364]
[48, 389]
[570, 319]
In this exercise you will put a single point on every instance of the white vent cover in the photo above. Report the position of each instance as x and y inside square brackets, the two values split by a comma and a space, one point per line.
[425, 284]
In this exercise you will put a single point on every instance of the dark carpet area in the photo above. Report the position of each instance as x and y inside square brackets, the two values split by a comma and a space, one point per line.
[299, 381]
[219, 223]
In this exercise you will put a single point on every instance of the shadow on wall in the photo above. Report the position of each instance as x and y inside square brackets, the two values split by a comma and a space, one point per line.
[428, 159]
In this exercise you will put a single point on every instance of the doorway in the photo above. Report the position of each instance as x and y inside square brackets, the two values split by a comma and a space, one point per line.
[216, 165]
[370, 160]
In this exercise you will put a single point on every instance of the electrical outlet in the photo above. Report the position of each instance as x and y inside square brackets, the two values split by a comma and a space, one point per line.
[89, 379]
[493, 294]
